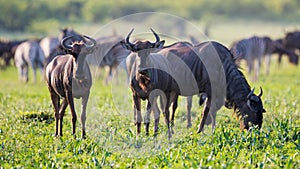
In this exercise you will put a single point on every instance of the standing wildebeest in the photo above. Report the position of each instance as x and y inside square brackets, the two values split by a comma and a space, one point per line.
[174, 98]
[68, 76]
[253, 50]
[29, 53]
[191, 70]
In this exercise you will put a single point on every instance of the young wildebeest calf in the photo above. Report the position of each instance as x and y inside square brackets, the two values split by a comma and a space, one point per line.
[68, 76]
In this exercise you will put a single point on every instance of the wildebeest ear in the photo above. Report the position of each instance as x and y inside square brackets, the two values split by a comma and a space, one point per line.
[264, 110]
[159, 44]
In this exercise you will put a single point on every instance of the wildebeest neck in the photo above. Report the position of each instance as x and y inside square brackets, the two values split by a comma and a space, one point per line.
[79, 68]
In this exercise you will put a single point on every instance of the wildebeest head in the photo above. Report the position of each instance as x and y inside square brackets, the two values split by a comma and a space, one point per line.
[142, 48]
[79, 50]
[252, 112]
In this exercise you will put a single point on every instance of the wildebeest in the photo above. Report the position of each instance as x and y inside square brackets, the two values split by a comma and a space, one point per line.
[191, 70]
[292, 40]
[68, 76]
[108, 53]
[8, 49]
[281, 49]
[174, 98]
[59, 50]
[48, 44]
[29, 53]
[254, 49]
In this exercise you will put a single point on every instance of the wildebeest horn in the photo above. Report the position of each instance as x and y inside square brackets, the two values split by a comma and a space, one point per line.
[251, 93]
[156, 36]
[68, 47]
[92, 40]
[127, 38]
[261, 92]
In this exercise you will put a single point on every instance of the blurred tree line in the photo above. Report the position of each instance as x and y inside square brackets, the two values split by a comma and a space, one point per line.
[34, 15]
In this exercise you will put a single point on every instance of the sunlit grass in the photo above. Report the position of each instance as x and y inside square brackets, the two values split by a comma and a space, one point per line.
[26, 137]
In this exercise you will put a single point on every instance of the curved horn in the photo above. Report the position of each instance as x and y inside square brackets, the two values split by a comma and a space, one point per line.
[127, 38]
[67, 47]
[156, 36]
[92, 40]
[261, 92]
[251, 93]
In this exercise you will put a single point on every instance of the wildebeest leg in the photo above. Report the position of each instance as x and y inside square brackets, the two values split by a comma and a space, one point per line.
[108, 75]
[156, 113]
[33, 67]
[204, 115]
[257, 66]
[174, 99]
[137, 113]
[62, 110]
[188, 114]
[20, 71]
[167, 114]
[55, 101]
[70, 101]
[83, 114]
[279, 58]
[24, 73]
[147, 115]
[268, 62]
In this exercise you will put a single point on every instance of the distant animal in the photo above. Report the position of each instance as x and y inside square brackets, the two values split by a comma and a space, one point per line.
[29, 53]
[281, 50]
[183, 72]
[254, 49]
[292, 40]
[8, 49]
[68, 76]
[48, 44]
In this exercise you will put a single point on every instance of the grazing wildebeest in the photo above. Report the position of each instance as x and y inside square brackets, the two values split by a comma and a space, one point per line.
[281, 49]
[68, 76]
[292, 40]
[191, 70]
[29, 53]
[253, 50]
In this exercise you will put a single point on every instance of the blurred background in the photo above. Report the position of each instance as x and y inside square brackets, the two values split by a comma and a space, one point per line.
[30, 18]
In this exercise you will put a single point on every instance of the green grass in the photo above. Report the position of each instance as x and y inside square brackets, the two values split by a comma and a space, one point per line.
[27, 127]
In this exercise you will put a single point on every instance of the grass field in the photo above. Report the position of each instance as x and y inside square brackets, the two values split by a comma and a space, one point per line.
[27, 127]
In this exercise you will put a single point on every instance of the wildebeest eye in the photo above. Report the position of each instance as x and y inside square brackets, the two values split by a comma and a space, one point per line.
[255, 105]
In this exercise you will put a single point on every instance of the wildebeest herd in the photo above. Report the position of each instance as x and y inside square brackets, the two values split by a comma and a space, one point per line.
[155, 71]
